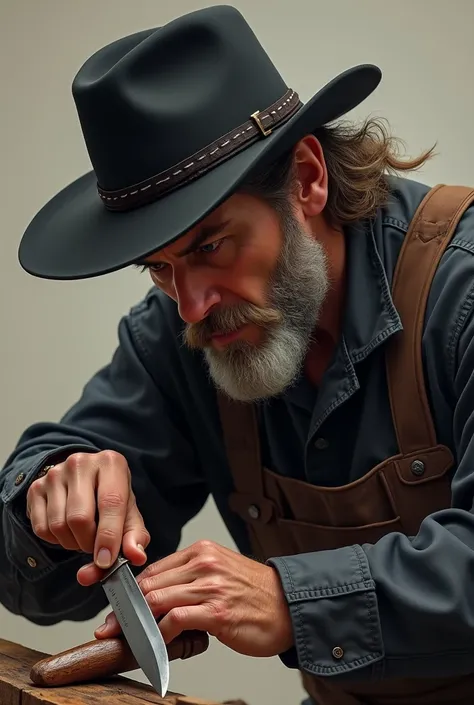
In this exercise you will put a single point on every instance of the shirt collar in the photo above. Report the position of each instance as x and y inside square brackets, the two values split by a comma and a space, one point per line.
[370, 316]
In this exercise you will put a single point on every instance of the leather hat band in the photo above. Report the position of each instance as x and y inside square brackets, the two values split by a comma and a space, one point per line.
[260, 124]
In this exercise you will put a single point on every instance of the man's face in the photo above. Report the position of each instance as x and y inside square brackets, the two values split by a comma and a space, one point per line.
[249, 285]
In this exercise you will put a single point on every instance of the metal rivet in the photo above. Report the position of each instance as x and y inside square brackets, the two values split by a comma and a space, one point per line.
[44, 471]
[31, 562]
[254, 511]
[418, 467]
[337, 652]
[321, 443]
[19, 478]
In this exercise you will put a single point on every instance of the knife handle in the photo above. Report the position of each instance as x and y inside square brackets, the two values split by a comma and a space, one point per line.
[101, 658]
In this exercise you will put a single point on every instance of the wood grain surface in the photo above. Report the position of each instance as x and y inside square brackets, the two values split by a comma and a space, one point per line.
[17, 663]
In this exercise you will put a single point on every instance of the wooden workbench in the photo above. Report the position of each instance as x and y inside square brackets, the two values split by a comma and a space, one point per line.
[16, 688]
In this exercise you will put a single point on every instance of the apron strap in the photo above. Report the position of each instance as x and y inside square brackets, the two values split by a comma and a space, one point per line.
[430, 232]
[249, 500]
[242, 444]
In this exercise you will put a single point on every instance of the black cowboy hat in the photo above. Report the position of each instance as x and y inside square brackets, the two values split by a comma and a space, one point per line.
[174, 118]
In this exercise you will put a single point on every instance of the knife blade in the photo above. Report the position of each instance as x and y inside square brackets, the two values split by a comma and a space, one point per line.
[138, 624]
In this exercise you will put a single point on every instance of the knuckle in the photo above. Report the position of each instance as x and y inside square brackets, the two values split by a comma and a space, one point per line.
[111, 500]
[107, 535]
[35, 489]
[73, 462]
[40, 529]
[206, 563]
[146, 585]
[154, 598]
[53, 474]
[112, 458]
[178, 615]
[205, 546]
[206, 557]
[57, 526]
[79, 519]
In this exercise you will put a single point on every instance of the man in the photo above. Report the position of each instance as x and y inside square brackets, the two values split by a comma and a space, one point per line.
[305, 355]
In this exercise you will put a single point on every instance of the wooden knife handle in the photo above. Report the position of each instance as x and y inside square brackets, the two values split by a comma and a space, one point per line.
[101, 658]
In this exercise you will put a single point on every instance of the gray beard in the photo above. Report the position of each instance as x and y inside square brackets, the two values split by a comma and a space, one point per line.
[248, 372]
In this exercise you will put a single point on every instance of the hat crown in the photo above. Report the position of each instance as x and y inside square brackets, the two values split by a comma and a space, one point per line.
[152, 99]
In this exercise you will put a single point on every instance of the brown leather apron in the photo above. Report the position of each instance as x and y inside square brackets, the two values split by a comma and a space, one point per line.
[285, 516]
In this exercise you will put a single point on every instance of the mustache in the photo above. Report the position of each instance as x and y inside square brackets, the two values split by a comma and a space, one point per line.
[227, 320]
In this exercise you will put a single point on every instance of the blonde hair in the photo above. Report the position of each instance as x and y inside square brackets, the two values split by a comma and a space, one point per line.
[358, 159]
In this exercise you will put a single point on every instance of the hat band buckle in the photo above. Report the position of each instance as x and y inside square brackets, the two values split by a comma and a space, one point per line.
[256, 117]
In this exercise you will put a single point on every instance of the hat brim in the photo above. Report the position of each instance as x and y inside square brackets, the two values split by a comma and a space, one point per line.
[75, 237]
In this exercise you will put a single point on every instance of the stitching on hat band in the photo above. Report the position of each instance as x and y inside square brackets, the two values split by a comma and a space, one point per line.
[260, 124]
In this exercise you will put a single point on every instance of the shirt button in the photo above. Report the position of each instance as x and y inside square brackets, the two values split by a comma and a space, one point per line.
[31, 562]
[321, 443]
[337, 652]
[19, 478]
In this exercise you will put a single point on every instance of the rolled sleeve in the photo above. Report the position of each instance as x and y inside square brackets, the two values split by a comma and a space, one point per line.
[333, 607]
[31, 556]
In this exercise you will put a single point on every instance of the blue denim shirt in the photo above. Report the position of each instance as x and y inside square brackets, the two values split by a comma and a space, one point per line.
[401, 607]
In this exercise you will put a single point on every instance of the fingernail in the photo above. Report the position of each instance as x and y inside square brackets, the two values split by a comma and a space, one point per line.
[101, 628]
[104, 558]
[141, 547]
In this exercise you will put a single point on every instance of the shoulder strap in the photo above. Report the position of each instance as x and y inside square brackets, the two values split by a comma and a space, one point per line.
[430, 232]
[242, 444]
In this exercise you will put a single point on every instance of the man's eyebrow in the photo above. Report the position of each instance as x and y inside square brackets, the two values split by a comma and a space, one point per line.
[201, 236]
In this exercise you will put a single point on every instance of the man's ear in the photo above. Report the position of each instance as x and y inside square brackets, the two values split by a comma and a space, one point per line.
[311, 176]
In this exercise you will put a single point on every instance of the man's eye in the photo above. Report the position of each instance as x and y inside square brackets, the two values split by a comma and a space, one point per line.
[156, 268]
[211, 246]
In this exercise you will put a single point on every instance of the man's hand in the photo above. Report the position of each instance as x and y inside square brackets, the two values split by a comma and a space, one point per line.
[87, 504]
[209, 587]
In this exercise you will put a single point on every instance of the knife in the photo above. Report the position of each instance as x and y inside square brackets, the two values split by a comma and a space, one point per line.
[138, 624]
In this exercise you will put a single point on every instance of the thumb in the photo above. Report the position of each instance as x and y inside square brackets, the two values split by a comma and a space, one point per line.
[135, 535]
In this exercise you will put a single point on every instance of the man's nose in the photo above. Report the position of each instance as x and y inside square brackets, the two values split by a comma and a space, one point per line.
[195, 296]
